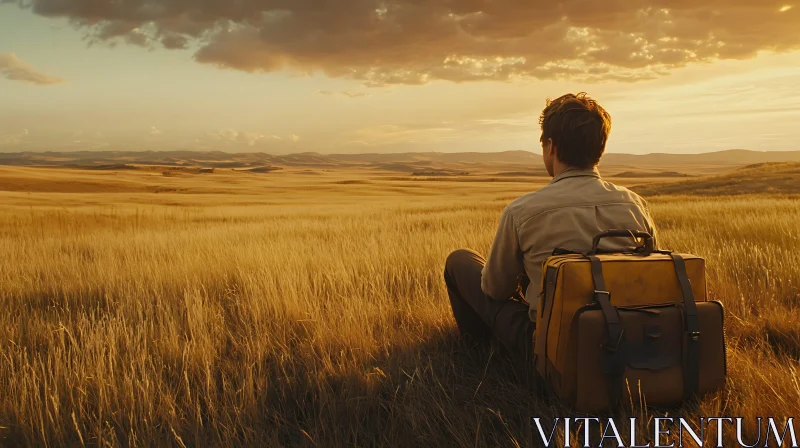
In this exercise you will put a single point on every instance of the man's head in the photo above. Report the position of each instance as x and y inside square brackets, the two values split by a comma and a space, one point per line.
[574, 132]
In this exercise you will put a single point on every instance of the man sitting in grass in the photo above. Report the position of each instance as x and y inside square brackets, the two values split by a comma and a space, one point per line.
[494, 297]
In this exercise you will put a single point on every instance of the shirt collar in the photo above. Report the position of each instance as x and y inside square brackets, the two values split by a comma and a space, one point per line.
[577, 172]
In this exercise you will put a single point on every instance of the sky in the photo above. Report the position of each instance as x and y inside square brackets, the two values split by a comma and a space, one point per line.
[350, 76]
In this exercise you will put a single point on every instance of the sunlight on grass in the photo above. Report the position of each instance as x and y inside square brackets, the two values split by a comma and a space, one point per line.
[323, 323]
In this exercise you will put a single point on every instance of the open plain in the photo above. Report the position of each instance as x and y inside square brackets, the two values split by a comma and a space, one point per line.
[305, 306]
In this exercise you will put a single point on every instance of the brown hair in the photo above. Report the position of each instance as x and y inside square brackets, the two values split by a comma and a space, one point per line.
[579, 128]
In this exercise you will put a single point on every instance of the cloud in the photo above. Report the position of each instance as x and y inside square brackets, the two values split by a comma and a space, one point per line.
[174, 42]
[87, 134]
[351, 94]
[346, 93]
[15, 69]
[14, 138]
[413, 133]
[237, 141]
[414, 42]
[235, 137]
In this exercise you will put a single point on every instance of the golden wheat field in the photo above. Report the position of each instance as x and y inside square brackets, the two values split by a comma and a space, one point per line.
[308, 308]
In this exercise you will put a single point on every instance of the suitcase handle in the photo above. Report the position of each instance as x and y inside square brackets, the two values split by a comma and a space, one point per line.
[647, 245]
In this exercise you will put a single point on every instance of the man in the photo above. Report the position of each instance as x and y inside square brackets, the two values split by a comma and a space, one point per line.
[487, 296]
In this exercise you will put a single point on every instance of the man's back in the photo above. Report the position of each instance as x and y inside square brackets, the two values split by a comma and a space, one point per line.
[566, 213]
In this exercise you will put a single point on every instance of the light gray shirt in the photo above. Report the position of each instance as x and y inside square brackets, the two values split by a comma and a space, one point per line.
[568, 212]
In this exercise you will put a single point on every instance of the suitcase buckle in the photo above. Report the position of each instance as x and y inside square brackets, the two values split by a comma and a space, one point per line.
[598, 292]
[695, 335]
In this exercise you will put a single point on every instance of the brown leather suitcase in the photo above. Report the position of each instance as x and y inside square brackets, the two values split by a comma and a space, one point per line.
[628, 327]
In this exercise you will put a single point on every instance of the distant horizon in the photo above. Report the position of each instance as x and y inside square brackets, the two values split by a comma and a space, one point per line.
[365, 153]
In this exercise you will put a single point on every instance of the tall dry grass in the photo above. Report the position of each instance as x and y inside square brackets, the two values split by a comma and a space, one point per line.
[324, 324]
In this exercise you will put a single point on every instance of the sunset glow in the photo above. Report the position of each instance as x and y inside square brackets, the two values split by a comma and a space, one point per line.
[245, 76]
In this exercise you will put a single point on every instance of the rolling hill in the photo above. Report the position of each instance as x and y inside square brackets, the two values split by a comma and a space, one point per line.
[649, 165]
[769, 177]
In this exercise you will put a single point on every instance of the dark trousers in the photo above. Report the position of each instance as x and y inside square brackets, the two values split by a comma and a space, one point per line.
[478, 316]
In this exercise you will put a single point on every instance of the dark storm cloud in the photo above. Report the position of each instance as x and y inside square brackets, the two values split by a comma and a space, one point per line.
[414, 41]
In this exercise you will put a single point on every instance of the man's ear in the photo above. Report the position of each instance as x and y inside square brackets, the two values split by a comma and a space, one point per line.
[553, 151]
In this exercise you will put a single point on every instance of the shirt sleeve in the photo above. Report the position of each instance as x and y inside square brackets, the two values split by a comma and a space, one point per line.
[500, 275]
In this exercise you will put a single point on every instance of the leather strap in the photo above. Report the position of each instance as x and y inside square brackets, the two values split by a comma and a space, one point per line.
[691, 371]
[545, 311]
[614, 364]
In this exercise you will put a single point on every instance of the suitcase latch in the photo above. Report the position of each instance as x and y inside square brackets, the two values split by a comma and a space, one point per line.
[695, 335]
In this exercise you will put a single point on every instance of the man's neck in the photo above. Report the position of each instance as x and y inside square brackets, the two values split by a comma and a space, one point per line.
[558, 167]
[560, 170]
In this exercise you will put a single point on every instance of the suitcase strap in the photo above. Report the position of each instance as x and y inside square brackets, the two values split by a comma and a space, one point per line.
[614, 365]
[692, 371]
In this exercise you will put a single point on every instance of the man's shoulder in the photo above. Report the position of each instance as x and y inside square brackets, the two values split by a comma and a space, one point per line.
[625, 192]
[535, 202]
[535, 199]
[566, 194]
